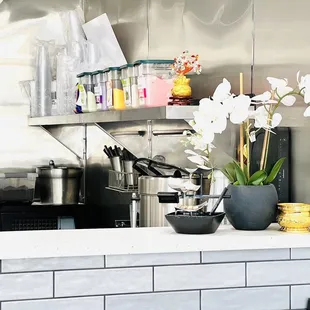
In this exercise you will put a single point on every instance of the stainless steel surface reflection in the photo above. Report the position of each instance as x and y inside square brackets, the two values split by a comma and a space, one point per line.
[152, 213]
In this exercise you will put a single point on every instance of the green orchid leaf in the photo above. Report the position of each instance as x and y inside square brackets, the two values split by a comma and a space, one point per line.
[245, 171]
[227, 175]
[229, 172]
[241, 178]
[236, 183]
[274, 171]
[258, 177]
[230, 168]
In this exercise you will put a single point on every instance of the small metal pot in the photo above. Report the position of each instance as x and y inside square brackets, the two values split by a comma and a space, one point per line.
[59, 185]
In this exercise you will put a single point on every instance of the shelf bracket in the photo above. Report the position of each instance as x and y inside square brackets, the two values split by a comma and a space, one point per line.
[79, 158]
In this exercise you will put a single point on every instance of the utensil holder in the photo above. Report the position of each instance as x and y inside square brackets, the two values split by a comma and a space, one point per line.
[131, 179]
[117, 165]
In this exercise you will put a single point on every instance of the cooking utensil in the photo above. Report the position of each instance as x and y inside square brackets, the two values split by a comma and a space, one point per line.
[111, 151]
[108, 152]
[59, 184]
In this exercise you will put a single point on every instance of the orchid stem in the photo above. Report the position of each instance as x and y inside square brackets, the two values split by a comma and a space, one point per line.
[267, 150]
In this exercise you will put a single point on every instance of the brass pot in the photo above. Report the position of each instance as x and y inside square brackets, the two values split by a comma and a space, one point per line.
[294, 217]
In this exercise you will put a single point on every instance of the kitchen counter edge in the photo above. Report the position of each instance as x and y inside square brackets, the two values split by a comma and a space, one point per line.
[91, 242]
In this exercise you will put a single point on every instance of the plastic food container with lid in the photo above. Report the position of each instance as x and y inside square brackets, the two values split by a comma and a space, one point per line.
[100, 89]
[115, 92]
[155, 82]
[85, 97]
[127, 73]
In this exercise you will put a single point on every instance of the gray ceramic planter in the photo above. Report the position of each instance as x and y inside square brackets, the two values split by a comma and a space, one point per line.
[251, 207]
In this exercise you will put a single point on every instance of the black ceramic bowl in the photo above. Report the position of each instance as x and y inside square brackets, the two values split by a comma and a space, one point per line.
[195, 224]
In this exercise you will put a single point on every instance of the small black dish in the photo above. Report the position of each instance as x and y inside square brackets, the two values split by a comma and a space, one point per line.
[198, 223]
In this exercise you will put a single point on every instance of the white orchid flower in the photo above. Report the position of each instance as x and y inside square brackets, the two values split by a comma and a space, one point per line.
[201, 161]
[198, 143]
[196, 160]
[238, 108]
[263, 98]
[307, 112]
[222, 92]
[277, 83]
[204, 167]
[212, 114]
[262, 118]
[304, 86]
[190, 152]
[281, 89]
[287, 100]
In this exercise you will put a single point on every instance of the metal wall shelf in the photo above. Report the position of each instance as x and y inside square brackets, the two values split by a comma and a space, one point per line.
[156, 113]
[292, 116]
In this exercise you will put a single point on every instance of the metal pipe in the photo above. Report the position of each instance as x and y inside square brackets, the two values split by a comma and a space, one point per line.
[84, 160]
[149, 139]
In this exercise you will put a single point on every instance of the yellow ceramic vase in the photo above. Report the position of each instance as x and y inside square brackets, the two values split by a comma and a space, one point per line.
[181, 87]
[294, 217]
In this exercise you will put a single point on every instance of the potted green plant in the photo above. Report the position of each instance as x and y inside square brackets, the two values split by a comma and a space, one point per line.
[254, 198]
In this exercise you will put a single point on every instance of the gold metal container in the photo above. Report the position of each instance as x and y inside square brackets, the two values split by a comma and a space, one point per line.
[294, 217]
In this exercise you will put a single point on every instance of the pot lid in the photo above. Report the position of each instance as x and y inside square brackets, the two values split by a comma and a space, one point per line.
[59, 171]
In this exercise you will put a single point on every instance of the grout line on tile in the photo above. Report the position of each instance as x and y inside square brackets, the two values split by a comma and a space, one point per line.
[290, 296]
[290, 253]
[53, 284]
[0, 269]
[153, 279]
[104, 303]
[200, 257]
[105, 261]
[246, 274]
[200, 307]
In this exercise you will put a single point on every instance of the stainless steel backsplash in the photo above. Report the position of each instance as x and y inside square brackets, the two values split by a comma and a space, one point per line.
[259, 38]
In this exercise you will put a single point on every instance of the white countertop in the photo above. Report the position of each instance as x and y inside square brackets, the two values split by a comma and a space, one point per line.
[62, 243]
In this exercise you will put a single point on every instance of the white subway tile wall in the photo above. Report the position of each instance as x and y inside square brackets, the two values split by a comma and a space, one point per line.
[278, 273]
[245, 256]
[301, 253]
[246, 299]
[26, 285]
[83, 303]
[152, 259]
[64, 263]
[173, 278]
[100, 281]
[299, 296]
[155, 301]
[275, 279]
